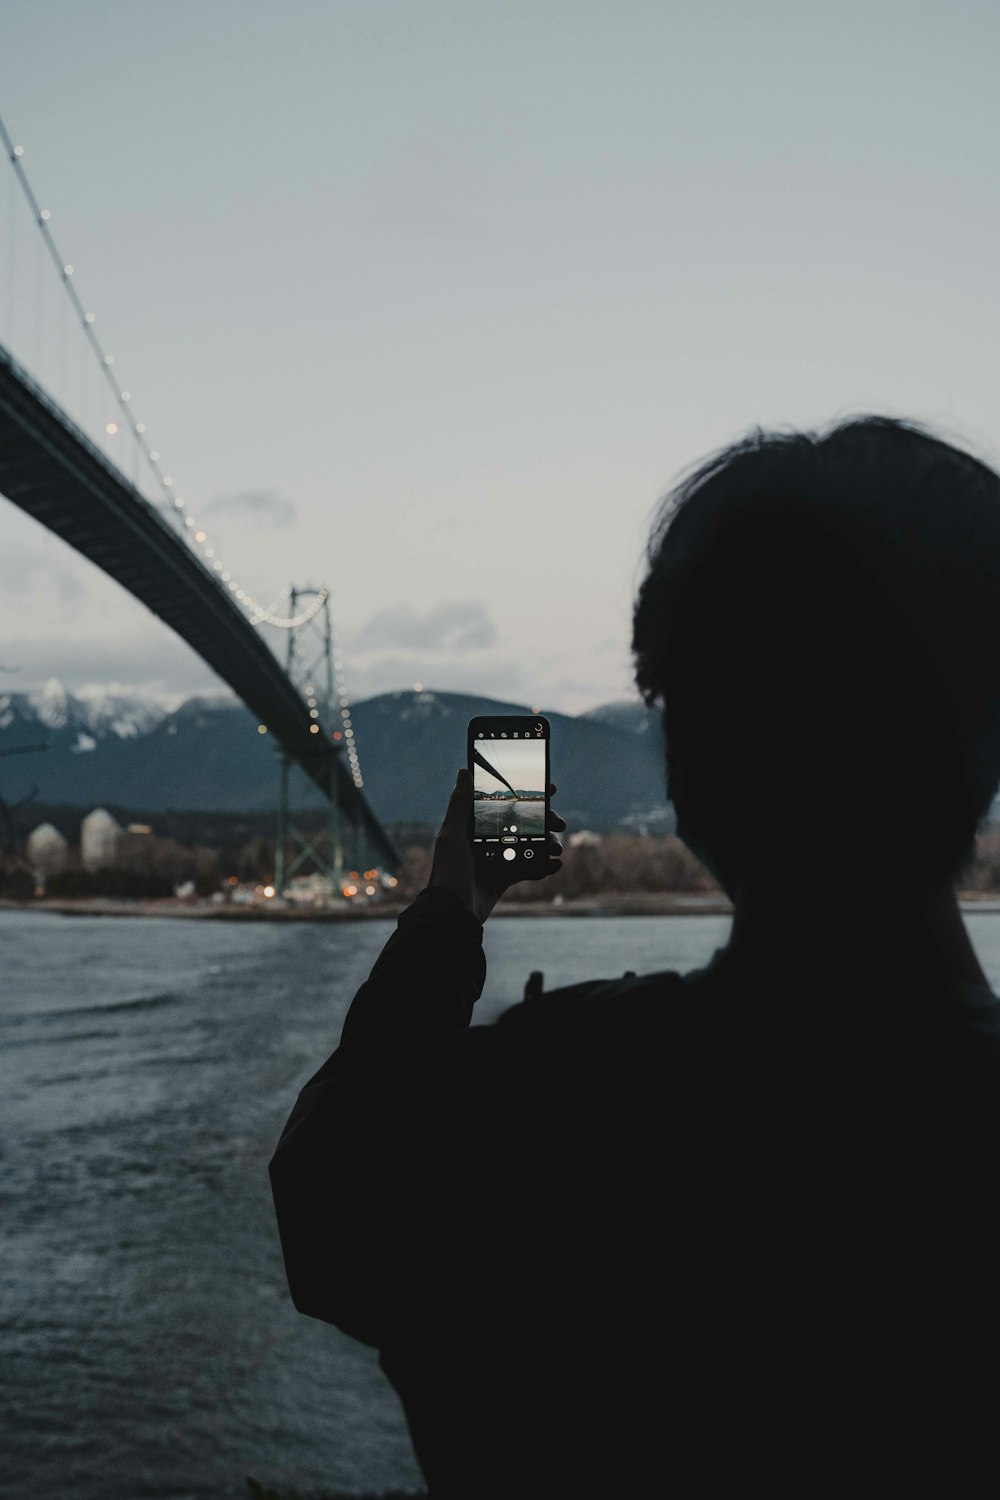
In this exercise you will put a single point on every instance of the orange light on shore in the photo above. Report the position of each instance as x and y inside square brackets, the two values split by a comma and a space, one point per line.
[350, 890]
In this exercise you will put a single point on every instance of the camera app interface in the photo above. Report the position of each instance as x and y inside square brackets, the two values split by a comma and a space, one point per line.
[509, 790]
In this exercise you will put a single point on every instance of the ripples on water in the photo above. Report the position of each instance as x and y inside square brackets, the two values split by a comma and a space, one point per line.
[146, 1069]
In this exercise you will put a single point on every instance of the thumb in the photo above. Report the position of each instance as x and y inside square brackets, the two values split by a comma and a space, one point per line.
[459, 804]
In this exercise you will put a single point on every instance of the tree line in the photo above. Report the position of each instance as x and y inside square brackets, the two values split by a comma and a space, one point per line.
[151, 866]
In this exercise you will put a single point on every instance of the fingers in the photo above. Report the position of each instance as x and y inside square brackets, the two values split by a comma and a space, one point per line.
[456, 819]
[459, 811]
[555, 825]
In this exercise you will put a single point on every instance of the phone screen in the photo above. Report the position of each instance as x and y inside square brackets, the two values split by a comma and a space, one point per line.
[509, 761]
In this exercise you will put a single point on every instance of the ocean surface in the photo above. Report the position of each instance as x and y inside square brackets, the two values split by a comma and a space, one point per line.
[493, 819]
[147, 1066]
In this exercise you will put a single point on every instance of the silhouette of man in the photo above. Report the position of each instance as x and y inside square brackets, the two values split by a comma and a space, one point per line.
[734, 1228]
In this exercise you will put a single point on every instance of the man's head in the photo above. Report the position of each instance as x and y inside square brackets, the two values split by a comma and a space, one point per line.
[820, 623]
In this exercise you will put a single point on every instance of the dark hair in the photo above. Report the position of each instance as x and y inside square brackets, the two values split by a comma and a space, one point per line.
[820, 623]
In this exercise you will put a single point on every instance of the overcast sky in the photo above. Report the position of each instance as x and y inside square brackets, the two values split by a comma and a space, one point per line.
[431, 302]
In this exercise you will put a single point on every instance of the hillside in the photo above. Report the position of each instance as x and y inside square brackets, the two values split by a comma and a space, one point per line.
[207, 755]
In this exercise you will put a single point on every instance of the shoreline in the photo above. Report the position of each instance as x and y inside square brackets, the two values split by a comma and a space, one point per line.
[624, 904]
[618, 905]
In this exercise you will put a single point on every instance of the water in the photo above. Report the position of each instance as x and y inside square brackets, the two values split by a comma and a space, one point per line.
[525, 818]
[146, 1068]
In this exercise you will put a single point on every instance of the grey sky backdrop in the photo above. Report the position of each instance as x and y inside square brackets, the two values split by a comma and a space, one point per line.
[431, 302]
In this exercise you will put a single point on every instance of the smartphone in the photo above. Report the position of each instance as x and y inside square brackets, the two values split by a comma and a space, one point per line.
[509, 764]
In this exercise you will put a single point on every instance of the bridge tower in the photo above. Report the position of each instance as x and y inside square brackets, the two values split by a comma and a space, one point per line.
[312, 666]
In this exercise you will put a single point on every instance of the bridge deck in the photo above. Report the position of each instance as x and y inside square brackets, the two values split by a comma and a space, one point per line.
[50, 469]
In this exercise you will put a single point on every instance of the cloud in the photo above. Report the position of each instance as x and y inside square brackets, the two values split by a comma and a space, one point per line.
[258, 507]
[32, 574]
[148, 658]
[496, 677]
[19, 568]
[459, 626]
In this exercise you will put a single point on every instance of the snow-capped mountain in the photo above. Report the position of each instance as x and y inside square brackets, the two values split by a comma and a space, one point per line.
[117, 711]
[93, 712]
[120, 750]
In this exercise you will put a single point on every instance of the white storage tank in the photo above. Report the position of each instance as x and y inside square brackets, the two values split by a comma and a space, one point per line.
[47, 849]
[99, 835]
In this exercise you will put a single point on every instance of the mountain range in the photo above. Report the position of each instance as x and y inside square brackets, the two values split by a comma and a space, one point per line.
[127, 752]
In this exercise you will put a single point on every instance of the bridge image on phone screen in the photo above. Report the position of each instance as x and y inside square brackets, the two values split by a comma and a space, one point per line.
[510, 789]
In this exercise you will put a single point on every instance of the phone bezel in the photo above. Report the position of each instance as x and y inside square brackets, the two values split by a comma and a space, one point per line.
[520, 869]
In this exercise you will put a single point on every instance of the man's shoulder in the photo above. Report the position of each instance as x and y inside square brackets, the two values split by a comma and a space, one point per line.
[592, 1001]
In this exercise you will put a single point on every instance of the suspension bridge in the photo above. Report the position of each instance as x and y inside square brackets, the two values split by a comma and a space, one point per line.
[145, 538]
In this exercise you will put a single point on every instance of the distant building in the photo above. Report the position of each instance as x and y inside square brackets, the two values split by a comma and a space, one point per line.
[311, 890]
[99, 835]
[134, 845]
[47, 849]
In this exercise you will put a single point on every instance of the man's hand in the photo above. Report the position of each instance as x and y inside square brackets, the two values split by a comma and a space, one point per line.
[454, 868]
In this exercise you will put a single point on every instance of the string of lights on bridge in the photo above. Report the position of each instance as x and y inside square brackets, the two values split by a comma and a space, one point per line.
[345, 734]
[195, 536]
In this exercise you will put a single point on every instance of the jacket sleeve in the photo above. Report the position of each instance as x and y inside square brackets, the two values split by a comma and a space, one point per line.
[345, 1175]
